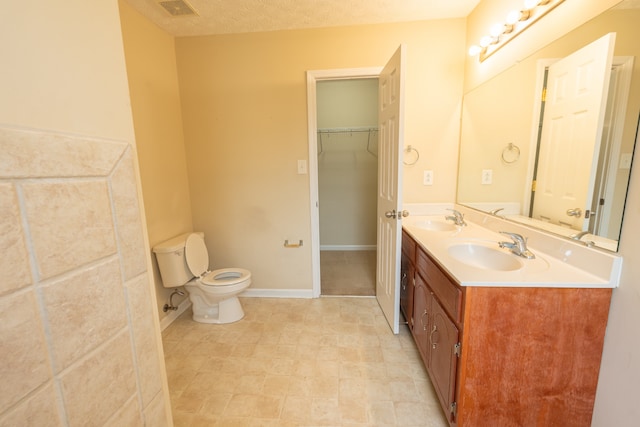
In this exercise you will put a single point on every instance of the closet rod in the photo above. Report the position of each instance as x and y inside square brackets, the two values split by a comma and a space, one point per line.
[348, 130]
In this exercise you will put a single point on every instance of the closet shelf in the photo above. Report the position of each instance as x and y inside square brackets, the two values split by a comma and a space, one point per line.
[369, 130]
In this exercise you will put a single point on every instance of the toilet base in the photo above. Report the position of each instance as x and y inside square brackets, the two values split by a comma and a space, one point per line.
[226, 311]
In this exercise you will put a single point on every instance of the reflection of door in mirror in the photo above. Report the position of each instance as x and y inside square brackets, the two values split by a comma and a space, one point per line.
[613, 162]
[576, 96]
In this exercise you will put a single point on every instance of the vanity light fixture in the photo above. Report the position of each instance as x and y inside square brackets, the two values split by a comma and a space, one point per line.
[515, 23]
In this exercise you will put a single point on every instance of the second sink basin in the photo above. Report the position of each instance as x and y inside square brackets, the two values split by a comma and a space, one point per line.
[484, 257]
[435, 225]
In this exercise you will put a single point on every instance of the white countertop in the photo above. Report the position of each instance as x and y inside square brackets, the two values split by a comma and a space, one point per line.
[543, 271]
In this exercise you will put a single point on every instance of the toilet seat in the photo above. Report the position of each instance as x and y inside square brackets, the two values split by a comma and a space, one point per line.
[197, 259]
[225, 277]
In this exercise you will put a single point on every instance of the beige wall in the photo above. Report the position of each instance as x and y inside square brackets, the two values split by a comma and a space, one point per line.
[244, 112]
[347, 164]
[155, 102]
[79, 339]
[616, 400]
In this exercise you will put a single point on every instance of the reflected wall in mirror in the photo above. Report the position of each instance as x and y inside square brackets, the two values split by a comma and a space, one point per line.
[501, 123]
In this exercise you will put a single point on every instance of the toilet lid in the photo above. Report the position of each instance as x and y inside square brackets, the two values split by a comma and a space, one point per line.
[196, 255]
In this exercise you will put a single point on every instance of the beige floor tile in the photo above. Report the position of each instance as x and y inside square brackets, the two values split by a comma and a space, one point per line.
[254, 406]
[325, 411]
[337, 365]
[215, 403]
[297, 408]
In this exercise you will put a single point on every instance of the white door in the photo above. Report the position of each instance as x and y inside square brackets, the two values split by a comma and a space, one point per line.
[571, 133]
[390, 134]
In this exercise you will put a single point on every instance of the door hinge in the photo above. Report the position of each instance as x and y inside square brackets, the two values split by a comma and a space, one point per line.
[544, 94]
[457, 349]
[533, 185]
[453, 409]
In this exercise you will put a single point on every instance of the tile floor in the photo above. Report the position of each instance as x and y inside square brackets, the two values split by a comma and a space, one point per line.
[348, 273]
[330, 361]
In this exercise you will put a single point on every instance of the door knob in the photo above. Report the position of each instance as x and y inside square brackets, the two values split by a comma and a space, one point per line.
[577, 212]
[404, 214]
[390, 214]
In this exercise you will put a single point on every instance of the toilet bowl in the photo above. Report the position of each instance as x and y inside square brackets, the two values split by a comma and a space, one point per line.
[184, 261]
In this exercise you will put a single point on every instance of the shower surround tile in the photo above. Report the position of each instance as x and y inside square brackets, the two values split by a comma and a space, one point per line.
[12, 244]
[70, 223]
[44, 155]
[25, 364]
[112, 378]
[72, 304]
[40, 409]
[127, 211]
[80, 337]
[145, 341]
[128, 416]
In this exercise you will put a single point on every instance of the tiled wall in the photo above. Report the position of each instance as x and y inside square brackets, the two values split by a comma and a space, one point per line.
[79, 342]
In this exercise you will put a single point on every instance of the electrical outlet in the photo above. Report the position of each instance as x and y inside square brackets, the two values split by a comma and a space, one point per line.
[487, 176]
[427, 178]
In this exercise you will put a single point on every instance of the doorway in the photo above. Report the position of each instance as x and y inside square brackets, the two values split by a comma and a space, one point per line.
[331, 248]
[389, 198]
[347, 137]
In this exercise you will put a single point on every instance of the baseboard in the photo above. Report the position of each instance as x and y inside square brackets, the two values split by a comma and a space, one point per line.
[278, 293]
[251, 293]
[348, 247]
[173, 315]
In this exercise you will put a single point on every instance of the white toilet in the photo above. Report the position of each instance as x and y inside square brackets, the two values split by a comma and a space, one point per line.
[184, 261]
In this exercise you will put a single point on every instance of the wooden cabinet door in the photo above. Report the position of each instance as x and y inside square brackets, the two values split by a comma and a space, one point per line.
[442, 358]
[407, 272]
[421, 314]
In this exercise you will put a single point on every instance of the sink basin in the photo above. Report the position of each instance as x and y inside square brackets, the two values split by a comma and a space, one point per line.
[434, 225]
[484, 257]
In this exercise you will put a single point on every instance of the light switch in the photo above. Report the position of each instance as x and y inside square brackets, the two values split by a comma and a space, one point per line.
[302, 167]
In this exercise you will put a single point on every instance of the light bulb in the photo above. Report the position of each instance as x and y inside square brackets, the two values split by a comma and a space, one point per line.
[530, 4]
[486, 41]
[474, 50]
[496, 30]
[513, 17]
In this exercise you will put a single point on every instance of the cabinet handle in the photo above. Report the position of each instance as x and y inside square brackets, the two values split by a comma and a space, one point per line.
[424, 327]
[403, 280]
[433, 344]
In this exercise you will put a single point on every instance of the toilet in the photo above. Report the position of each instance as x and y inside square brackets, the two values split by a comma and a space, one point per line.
[184, 261]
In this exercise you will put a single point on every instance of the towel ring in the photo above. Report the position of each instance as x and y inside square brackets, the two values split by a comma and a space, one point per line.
[410, 150]
[511, 153]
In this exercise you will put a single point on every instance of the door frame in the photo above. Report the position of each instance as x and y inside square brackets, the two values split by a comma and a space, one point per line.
[313, 76]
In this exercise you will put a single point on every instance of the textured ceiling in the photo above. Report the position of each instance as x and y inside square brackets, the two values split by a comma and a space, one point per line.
[243, 16]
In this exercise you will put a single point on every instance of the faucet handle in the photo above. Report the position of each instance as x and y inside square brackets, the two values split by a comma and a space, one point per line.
[457, 217]
[518, 238]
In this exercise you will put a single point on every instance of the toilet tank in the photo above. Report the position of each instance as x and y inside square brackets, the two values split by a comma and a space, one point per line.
[171, 261]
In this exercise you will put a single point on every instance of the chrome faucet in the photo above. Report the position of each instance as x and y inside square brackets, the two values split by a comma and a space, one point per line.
[457, 217]
[495, 211]
[580, 235]
[518, 246]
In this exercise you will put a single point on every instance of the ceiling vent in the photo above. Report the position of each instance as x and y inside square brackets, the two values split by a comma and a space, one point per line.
[178, 8]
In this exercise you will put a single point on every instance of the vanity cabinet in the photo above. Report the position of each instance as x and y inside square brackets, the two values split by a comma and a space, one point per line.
[508, 356]
[407, 273]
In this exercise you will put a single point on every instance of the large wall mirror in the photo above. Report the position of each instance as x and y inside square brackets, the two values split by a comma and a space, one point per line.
[506, 164]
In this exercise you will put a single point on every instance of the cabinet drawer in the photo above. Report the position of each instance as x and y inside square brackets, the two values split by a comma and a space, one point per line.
[408, 246]
[449, 294]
